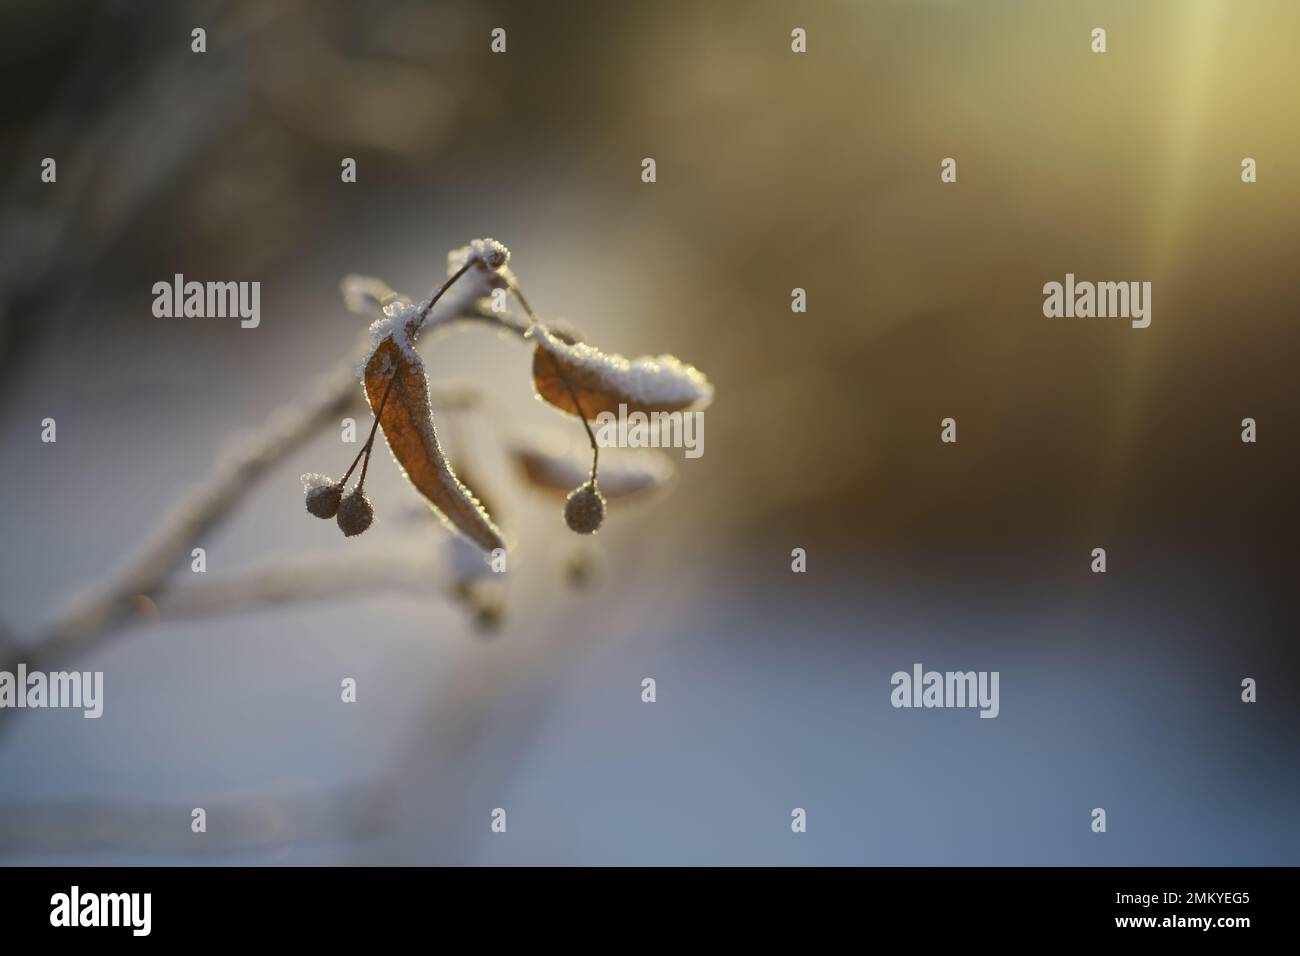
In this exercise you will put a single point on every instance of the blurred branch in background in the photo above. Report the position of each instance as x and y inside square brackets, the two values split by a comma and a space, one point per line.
[147, 135]
[117, 601]
[110, 604]
[411, 569]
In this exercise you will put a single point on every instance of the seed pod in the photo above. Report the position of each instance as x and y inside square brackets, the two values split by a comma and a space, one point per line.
[584, 509]
[323, 494]
[323, 502]
[491, 253]
[355, 513]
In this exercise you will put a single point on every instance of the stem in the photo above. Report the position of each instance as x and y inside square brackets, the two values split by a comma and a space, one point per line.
[370, 439]
[519, 294]
[582, 415]
[591, 436]
[361, 484]
[348, 474]
[424, 313]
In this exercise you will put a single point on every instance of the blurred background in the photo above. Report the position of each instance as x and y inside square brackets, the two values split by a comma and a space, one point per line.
[775, 171]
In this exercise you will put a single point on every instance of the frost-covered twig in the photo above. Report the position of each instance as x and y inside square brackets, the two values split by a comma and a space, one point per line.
[414, 570]
[110, 605]
[295, 581]
[105, 608]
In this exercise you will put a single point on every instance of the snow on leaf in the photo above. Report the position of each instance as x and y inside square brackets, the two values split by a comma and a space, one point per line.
[603, 381]
[407, 422]
[398, 327]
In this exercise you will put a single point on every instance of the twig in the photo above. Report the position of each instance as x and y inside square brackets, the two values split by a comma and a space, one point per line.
[412, 570]
[104, 609]
[109, 606]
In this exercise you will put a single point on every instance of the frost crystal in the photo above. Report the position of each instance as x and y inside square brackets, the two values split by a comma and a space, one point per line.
[492, 271]
[313, 481]
[484, 253]
[399, 322]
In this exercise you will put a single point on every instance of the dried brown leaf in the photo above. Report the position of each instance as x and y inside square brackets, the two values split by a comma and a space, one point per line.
[407, 422]
[602, 382]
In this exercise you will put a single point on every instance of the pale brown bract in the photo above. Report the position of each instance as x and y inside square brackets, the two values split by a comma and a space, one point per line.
[407, 422]
[568, 375]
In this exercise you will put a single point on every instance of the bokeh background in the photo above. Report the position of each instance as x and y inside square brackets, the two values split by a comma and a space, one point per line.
[775, 170]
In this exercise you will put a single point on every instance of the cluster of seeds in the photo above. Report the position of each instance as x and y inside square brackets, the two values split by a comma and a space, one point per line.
[327, 498]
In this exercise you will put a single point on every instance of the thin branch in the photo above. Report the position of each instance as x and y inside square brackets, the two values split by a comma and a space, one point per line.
[451, 280]
[414, 570]
[107, 607]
